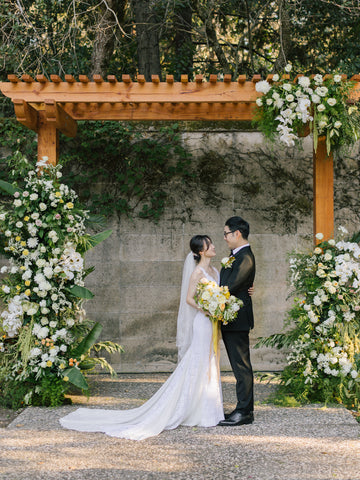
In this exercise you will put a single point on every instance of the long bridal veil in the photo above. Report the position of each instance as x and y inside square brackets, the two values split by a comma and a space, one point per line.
[186, 313]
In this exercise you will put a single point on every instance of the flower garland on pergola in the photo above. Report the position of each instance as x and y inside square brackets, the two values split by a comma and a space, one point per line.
[317, 103]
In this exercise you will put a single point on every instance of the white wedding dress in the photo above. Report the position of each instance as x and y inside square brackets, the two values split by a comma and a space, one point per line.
[190, 396]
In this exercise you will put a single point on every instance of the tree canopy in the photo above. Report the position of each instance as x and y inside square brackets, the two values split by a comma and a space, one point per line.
[178, 37]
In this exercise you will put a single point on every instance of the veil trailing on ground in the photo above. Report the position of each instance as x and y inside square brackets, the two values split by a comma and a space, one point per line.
[186, 313]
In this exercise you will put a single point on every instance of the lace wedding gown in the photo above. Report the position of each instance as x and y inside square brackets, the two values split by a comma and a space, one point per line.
[190, 396]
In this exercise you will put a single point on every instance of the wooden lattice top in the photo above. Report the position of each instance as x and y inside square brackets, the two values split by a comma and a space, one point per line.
[62, 103]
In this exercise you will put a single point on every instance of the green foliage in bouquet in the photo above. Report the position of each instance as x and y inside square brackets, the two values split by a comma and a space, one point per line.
[46, 340]
[322, 335]
[321, 103]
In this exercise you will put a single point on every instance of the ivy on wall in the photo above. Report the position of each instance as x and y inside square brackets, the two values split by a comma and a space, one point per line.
[115, 167]
[137, 169]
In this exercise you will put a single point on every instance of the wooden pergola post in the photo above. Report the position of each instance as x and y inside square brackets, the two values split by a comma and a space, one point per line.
[48, 140]
[323, 190]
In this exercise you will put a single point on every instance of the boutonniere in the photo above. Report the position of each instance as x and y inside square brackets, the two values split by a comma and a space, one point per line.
[226, 262]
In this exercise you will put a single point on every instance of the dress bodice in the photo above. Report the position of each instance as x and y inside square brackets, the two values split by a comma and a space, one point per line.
[210, 277]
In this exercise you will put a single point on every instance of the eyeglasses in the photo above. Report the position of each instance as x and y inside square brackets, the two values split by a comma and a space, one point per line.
[227, 233]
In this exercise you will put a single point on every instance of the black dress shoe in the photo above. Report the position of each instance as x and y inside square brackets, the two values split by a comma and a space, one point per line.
[228, 415]
[237, 418]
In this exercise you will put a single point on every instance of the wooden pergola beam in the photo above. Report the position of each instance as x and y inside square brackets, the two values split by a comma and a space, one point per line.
[57, 116]
[132, 92]
[26, 114]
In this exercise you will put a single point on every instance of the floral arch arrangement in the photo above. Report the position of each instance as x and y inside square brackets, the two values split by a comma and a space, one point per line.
[321, 104]
[322, 335]
[45, 336]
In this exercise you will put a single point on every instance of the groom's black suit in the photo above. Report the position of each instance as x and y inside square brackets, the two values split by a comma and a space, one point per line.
[239, 278]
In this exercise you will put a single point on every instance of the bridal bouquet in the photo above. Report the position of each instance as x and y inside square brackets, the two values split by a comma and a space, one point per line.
[217, 300]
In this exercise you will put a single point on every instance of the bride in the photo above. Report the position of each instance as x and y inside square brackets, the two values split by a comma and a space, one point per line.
[192, 394]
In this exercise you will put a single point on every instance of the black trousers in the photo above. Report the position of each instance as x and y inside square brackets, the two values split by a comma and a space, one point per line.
[238, 350]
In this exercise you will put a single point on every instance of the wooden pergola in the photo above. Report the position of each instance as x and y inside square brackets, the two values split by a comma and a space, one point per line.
[49, 106]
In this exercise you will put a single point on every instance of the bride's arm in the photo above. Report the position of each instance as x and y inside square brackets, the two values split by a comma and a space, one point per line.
[194, 280]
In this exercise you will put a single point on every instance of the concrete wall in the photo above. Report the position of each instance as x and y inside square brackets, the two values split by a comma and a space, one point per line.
[138, 269]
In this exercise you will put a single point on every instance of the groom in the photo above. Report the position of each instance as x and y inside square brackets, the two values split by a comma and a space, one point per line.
[238, 274]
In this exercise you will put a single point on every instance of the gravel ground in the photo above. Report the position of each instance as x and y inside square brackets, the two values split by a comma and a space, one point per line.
[306, 443]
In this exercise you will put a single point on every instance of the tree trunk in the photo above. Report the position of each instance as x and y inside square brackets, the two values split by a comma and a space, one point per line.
[183, 46]
[285, 36]
[111, 14]
[147, 37]
[206, 15]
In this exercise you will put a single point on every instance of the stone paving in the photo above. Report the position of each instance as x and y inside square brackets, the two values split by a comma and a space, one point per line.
[305, 443]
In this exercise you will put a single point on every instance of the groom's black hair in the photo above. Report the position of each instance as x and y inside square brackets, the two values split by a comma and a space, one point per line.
[238, 223]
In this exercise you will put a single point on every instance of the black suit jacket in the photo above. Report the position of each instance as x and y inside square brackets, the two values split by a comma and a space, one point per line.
[239, 278]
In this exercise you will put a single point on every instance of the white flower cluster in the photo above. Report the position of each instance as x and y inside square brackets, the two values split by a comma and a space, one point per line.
[336, 362]
[12, 318]
[71, 261]
[294, 102]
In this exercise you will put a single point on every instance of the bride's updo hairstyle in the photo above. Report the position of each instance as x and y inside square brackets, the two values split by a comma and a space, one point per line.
[198, 244]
